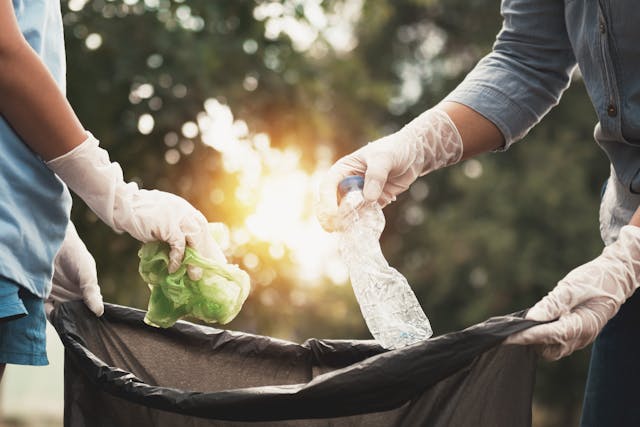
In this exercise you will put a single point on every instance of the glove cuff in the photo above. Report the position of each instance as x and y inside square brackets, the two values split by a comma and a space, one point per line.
[439, 142]
[88, 172]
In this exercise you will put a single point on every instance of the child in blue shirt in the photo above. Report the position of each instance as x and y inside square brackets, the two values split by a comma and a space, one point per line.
[45, 152]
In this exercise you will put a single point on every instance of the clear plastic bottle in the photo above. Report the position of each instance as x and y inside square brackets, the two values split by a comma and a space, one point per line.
[389, 306]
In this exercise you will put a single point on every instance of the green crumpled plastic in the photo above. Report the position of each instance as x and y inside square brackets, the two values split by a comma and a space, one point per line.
[217, 297]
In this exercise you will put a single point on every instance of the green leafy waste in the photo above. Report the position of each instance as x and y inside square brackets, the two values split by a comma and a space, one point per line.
[217, 297]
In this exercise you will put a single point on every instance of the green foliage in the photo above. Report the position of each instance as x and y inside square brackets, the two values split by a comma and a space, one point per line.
[484, 238]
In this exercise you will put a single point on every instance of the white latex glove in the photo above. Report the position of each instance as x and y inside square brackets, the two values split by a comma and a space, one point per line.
[145, 215]
[585, 300]
[74, 275]
[391, 164]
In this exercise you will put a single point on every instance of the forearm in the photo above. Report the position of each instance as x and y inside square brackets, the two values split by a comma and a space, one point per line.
[31, 101]
[635, 219]
[478, 134]
[526, 73]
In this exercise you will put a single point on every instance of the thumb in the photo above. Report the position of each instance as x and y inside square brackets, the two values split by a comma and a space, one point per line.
[326, 200]
[553, 340]
[540, 334]
[93, 299]
[375, 177]
[176, 251]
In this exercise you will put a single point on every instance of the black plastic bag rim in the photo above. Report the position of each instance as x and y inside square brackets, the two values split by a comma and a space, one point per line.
[298, 401]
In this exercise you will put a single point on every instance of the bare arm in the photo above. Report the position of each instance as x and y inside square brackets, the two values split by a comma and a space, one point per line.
[30, 100]
[478, 134]
[635, 219]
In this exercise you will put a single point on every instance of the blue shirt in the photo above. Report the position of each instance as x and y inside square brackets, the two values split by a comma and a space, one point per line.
[539, 45]
[35, 206]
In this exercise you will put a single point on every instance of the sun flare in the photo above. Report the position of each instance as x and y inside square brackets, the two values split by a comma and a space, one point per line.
[277, 195]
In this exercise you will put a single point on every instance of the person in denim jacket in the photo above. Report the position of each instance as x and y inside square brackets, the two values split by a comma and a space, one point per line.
[500, 100]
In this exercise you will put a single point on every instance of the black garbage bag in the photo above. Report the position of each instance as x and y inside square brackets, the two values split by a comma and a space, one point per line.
[121, 372]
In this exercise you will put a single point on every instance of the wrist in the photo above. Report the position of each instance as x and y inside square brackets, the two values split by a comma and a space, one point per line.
[635, 219]
[478, 134]
[88, 172]
[438, 141]
[62, 160]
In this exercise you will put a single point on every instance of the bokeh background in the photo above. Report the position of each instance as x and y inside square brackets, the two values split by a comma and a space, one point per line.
[239, 105]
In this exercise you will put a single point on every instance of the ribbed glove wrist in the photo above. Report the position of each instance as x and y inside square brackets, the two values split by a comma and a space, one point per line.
[438, 142]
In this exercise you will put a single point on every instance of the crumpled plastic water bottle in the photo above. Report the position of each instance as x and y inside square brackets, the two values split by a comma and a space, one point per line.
[389, 306]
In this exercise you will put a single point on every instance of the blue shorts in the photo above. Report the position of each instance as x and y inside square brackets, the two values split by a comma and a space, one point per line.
[22, 326]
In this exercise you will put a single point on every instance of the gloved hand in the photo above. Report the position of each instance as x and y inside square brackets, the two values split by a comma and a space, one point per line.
[145, 215]
[391, 164]
[74, 275]
[585, 300]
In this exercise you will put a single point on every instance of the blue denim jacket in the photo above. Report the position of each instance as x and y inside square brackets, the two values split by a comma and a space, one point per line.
[540, 43]
[34, 203]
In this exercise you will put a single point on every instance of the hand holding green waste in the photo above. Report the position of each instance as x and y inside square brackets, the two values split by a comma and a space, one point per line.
[89, 172]
[216, 297]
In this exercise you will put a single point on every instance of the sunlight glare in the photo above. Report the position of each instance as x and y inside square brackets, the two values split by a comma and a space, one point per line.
[278, 195]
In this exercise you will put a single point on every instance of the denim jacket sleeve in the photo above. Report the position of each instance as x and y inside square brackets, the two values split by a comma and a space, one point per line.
[529, 67]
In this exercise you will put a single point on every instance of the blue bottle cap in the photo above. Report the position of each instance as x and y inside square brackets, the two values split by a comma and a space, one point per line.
[350, 183]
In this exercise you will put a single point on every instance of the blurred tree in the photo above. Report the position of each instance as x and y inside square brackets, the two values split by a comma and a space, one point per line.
[488, 237]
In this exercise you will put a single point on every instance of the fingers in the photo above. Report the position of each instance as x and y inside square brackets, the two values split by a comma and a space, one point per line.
[372, 162]
[177, 246]
[388, 194]
[194, 273]
[552, 343]
[375, 178]
[89, 288]
[87, 279]
[326, 203]
[93, 299]
[194, 239]
[555, 304]
[73, 290]
[193, 231]
[346, 215]
[558, 339]
[541, 334]
[198, 236]
[75, 276]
